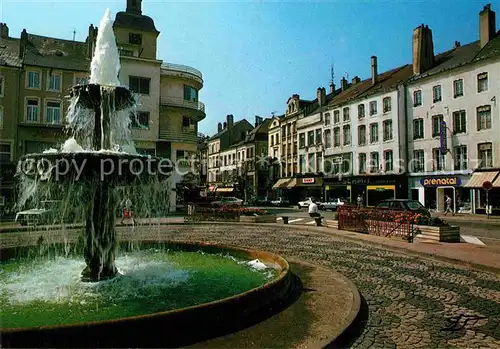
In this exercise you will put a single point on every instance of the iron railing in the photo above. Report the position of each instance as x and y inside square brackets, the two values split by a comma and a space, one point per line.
[182, 69]
[181, 102]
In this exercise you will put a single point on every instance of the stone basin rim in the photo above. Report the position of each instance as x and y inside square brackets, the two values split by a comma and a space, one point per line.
[284, 273]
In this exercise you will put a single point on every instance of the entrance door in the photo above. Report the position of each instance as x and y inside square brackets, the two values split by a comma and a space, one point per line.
[414, 194]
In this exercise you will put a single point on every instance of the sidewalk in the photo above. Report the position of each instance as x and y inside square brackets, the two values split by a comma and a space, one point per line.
[468, 217]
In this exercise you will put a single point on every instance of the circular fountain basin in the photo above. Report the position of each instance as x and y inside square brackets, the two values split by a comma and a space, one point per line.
[169, 294]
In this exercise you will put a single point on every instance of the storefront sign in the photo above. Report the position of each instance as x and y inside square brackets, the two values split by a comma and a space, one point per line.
[441, 181]
[308, 180]
[442, 138]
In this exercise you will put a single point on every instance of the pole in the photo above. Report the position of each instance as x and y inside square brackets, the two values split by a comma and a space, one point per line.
[487, 204]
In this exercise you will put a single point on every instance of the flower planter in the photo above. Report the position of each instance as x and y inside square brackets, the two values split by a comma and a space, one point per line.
[268, 218]
[441, 234]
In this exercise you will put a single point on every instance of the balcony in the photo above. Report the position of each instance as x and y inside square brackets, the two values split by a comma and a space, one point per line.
[182, 71]
[182, 103]
[185, 136]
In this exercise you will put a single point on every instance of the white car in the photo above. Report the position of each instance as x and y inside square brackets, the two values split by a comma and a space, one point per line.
[279, 202]
[227, 201]
[306, 203]
[42, 215]
[331, 205]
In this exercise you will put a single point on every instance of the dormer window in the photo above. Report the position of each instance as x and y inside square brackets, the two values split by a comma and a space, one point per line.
[135, 39]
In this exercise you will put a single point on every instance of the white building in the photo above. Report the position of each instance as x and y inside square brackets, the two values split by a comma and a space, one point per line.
[454, 119]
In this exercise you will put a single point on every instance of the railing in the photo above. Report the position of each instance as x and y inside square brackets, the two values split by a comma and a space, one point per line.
[172, 135]
[182, 69]
[181, 102]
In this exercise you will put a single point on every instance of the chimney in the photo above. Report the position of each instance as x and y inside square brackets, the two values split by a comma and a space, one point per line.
[4, 31]
[343, 84]
[321, 96]
[457, 44]
[332, 87]
[258, 120]
[355, 80]
[23, 43]
[134, 6]
[219, 127]
[374, 70]
[486, 25]
[423, 49]
[230, 120]
[91, 40]
[225, 125]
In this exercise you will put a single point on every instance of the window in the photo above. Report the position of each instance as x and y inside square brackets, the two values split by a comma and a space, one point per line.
[387, 104]
[373, 108]
[387, 130]
[319, 138]
[302, 164]
[362, 135]
[319, 162]
[32, 110]
[139, 119]
[186, 122]
[373, 133]
[438, 159]
[190, 94]
[327, 119]
[459, 122]
[482, 82]
[81, 80]
[374, 162]
[33, 79]
[361, 111]
[336, 137]
[347, 134]
[436, 94]
[418, 160]
[362, 163]
[389, 160]
[272, 140]
[458, 88]
[417, 98]
[310, 138]
[336, 116]
[302, 140]
[418, 129]
[2, 84]
[139, 85]
[54, 83]
[4, 153]
[53, 112]
[460, 153]
[436, 125]
[127, 53]
[485, 152]
[347, 117]
[484, 117]
[135, 39]
[328, 138]
[1, 117]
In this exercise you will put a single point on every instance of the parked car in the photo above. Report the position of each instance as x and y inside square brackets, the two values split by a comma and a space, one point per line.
[227, 201]
[44, 214]
[403, 205]
[280, 202]
[331, 205]
[306, 203]
[261, 201]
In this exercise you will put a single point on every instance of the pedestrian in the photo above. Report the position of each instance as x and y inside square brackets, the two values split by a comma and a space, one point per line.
[447, 202]
[127, 210]
[313, 210]
[360, 201]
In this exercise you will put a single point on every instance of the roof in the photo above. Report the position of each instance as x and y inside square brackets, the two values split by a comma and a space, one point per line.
[56, 53]
[135, 21]
[253, 135]
[9, 52]
[219, 134]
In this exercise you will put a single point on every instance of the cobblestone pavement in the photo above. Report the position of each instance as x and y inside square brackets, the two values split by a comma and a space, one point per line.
[413, 302]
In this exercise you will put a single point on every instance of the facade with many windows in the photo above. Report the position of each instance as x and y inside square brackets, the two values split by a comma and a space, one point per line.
[454, 121]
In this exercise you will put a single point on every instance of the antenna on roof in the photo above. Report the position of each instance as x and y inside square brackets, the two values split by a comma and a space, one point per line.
[332, 75]
[74, 33]
[273, 112]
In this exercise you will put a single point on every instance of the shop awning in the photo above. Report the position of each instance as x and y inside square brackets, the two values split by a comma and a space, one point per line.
[496, 183]
[478, 178]
[224, 190]
[280, 183]
[292, 183]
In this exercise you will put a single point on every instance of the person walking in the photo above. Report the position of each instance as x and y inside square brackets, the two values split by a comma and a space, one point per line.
[360, 201]
[127, 210]
[448, 206]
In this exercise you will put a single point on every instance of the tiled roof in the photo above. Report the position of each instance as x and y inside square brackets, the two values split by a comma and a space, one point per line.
[491, 49]
[43, 51]
[218, 134]
[9, 52]
[135, 21]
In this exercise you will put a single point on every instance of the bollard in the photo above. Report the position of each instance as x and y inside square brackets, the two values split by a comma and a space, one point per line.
[285, 220]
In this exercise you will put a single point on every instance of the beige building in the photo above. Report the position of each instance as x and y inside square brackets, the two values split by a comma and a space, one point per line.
[36, 73]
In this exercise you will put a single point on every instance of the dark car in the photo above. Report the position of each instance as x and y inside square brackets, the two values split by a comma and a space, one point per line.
[403, 205]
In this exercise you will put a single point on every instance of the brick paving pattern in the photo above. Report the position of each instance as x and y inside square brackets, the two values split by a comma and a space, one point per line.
[413, 302]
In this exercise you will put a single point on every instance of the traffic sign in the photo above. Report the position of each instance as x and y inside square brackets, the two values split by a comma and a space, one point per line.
[487, 185]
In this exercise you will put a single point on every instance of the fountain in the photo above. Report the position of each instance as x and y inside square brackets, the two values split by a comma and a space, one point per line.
[158, 284]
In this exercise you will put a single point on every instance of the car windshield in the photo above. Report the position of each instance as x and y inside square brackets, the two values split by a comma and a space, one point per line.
[414, 205]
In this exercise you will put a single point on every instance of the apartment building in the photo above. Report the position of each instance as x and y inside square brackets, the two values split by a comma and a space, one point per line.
[454, 120]
[36, 72]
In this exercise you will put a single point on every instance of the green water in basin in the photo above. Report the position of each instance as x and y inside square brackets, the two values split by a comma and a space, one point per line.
[48, 291]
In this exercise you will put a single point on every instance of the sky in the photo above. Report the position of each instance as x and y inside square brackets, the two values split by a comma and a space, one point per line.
[255, 54]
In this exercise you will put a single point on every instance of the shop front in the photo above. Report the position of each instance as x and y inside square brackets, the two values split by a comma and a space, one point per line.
[485, 198]
[374, 189]
[432, 191]
[310, 187]
[336, 188]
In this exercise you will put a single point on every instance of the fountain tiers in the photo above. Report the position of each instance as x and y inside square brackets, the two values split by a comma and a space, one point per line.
[100, 172]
